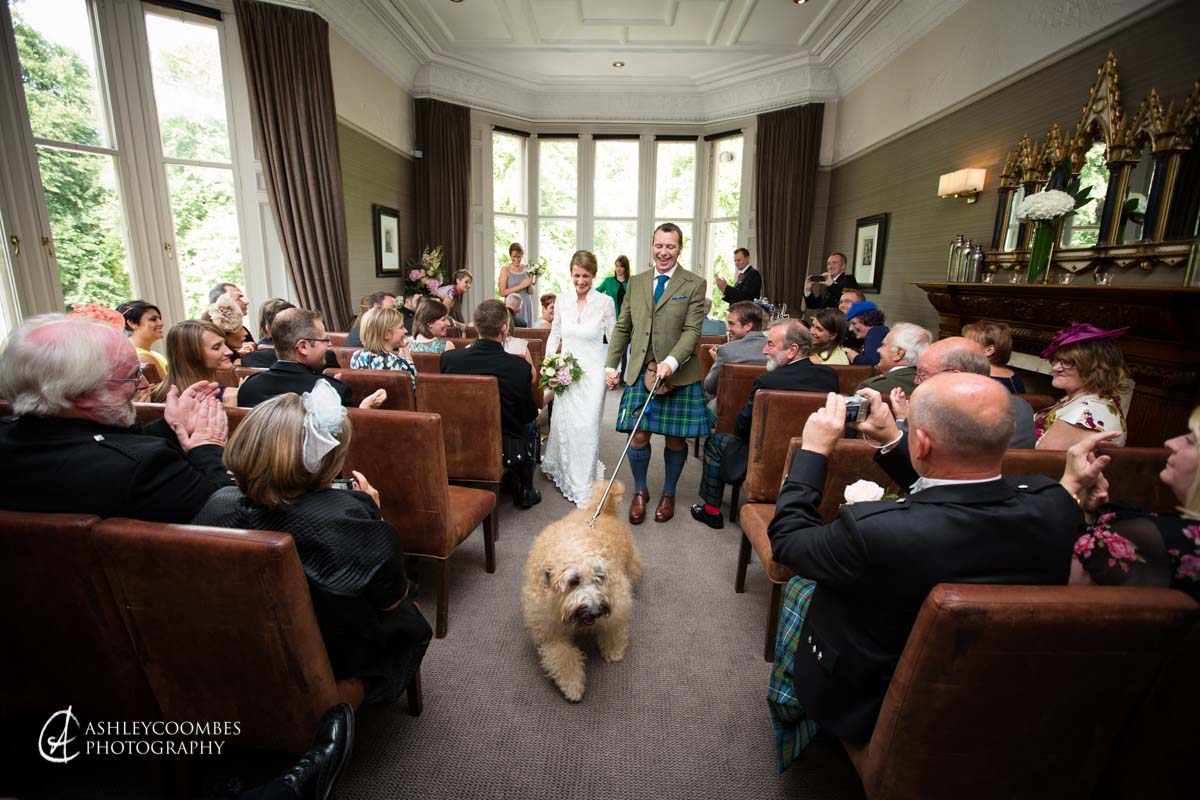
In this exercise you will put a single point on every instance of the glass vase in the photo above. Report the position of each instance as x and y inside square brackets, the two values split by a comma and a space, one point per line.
[1041, 248]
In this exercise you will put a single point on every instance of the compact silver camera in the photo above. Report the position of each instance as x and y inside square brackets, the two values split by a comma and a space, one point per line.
[857, 408]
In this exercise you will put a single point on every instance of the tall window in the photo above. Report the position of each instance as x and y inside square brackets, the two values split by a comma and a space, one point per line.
[189, 93]
[675, 191]
[721, 217]
[69, 116]
[615, 207]
[558, 190]
[510, 213]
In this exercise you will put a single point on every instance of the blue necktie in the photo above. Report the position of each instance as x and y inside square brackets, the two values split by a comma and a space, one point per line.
[660, 283]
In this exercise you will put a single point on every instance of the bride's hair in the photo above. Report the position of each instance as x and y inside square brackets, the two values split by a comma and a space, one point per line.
[585, 259]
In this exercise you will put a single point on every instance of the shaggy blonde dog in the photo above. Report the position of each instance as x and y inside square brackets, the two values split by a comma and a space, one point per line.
[580, 579]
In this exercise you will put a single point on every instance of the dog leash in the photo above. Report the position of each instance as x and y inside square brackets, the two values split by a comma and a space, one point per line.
[617, 468]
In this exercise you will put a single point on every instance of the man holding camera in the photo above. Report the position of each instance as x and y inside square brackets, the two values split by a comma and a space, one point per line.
[832, 282]
[789, 345]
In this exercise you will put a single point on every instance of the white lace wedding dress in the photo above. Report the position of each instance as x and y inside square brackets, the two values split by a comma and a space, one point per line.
[570, 458]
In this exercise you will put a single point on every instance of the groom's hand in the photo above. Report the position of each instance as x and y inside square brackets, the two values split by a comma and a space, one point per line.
[664, 371]
[611, 378]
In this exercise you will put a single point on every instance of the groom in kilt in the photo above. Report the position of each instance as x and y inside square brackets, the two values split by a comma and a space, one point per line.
[660, 322]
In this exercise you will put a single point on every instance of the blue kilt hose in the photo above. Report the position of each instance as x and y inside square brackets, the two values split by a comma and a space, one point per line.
[680, 412]
[793, 728]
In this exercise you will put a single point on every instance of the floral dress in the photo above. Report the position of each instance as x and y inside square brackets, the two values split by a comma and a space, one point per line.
[1088, 411]
[1129, 547]
[365, 359]
[434, 346]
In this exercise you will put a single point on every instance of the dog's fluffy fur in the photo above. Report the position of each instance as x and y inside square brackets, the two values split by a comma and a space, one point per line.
[580, 579]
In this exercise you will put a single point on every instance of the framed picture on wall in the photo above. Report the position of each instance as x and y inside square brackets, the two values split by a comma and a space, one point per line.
[387, 241]
[869, 242]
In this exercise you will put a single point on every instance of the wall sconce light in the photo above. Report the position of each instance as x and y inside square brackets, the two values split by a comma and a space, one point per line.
[966, 183]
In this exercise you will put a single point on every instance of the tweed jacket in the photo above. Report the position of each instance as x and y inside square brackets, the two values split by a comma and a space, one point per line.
[876, 562]
[747, 350]
[653, 331]
[903, 377]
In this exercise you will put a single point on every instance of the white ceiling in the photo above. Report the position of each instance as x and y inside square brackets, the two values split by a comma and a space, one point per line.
[685, 60]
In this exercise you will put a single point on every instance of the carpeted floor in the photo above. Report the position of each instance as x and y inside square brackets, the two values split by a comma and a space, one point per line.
[683, 716]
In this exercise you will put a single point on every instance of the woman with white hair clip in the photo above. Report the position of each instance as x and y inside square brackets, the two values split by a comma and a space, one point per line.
[286, 456]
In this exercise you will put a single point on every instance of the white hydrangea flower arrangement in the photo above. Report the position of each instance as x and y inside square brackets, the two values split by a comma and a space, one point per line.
[1045, 206]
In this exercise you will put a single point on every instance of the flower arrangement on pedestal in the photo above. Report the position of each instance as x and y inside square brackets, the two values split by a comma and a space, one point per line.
[425, 273]
[559, 372]
[1043, 209]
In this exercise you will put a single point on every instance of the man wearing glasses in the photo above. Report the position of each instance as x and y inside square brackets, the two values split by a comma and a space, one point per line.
[300, 347]
[74, 445]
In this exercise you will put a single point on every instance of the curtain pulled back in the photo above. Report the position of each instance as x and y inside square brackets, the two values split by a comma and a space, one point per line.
[286, 53]
[443, 180]
[787, 149]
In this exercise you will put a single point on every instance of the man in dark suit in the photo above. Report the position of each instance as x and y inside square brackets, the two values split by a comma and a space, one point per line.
[747, 285]
[833, 281]
[518, 412]
[789, 345]
[875, 563]
[265, 356]
[75, 445]
[300, 345]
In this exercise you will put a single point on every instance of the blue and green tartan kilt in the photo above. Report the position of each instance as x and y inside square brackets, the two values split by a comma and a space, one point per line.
[793, 728]
[681, 412]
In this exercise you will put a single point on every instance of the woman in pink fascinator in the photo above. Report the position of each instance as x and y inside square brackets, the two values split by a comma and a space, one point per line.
[1086, 364]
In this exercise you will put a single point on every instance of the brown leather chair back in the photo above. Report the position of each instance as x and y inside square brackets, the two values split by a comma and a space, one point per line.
[460, 341]
[337, 338]
[733, 390]
[1038, 401]
[149, 412]
[225, 377]
[707, 359]
[1017, 691]
[427, 362]
[778, 416]
[537, 349]
[224, 627]
[850, 460]
[1132, 474]
[363, 382]
[245, 372]
[539, 334]
[470, 409]
[343, 355]
[402, 454]
[717, 339]
[64, 640]
[850, 376]
[152, 373]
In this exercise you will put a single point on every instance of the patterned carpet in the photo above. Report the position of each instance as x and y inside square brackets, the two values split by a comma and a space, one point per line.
[684, 716]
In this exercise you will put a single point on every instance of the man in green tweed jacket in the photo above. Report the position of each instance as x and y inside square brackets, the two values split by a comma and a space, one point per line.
[660, 322]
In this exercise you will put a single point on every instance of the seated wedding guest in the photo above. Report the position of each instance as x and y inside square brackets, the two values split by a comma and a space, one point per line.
[383, 338]
[518, 413]
[1086, 364]
[513, 303]
[264, 356]
[828, 327]
[961, 523]
[898, 355]
[374, 300]
[300, 347]
[234, 292]
[1124, 546]
[789, 345]
[196, 351]
[617, 284]
[284, 456]
[430, 324]
[850, 297]
[996, 340]
[74, 445]
[409, 308]
[710, 326]
[452, 294]
[546, 320]
[745, 345]
[865, 321]
[226, 314]
[266, 315]
[144, 327]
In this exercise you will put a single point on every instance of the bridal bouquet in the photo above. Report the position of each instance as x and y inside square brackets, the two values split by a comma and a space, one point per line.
[559, 372]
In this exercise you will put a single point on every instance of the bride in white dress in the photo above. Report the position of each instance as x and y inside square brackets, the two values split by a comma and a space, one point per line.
[582, 322]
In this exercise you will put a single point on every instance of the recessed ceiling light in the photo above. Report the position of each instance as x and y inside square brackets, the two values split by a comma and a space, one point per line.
[618, 64]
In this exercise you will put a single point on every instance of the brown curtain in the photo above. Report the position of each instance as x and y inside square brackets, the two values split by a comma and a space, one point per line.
[443, 180]
[787, 148]
[291, 100]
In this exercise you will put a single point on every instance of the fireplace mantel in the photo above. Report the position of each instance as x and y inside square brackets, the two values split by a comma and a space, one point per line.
[1161, 350]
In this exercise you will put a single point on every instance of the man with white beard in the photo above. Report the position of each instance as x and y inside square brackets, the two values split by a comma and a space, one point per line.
[789, 345]
[74, 445]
